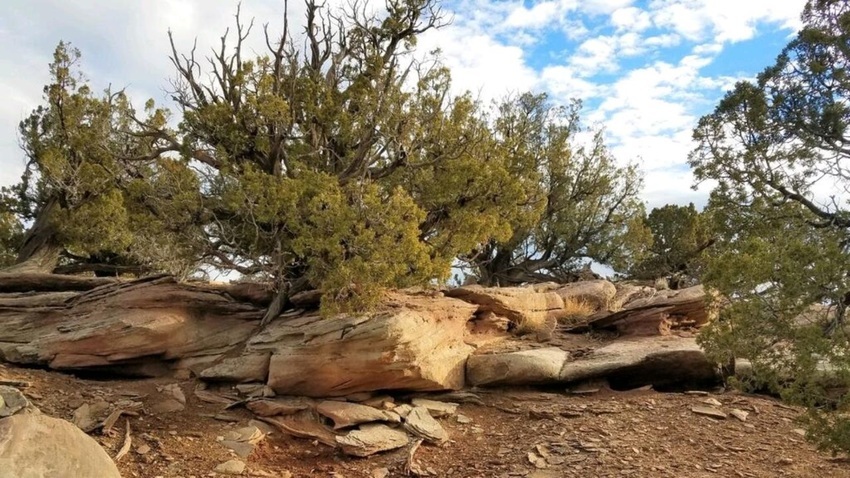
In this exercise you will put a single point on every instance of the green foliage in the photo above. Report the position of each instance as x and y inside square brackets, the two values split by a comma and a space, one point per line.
[576, 202]
[89, 160]
[341, 162]
[11, 228]
[346, 166]
[781, 262]
[680, 237]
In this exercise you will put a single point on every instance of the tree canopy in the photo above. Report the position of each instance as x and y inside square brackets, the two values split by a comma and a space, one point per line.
[582, 205]
[339, 160]
[778, 149]
[681, 236]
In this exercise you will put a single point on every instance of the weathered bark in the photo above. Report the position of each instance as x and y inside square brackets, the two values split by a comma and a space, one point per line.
[40, 282]
[40, 252]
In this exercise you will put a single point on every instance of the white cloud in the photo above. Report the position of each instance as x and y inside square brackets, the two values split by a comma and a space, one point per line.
[481, 64]
[724, 20]
[631, 19]
[616, 54]
[539, 15]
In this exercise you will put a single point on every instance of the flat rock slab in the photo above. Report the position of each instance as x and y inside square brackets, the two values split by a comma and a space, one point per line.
[241, 369]
[527, 367]
[346, 414]
[435, 408]
[626, 364]
[659, 361]
[420, 423]
[371, 439]
[38, 446]
[136, 328]
[280, 406]
[709, 411]
[304, 425]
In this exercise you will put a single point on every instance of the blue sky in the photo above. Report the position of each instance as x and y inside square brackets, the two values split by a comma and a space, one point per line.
[646, 70]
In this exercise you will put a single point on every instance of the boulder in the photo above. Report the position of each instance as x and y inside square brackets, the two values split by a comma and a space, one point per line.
[38, 446]
[539, 366]
[413, 342]
[371, 439]
[345, 414]
[658, 314]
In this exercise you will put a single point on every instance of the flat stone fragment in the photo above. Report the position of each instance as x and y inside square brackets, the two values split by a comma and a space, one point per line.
[280, 406]
[463, 419]
[739, 414]
[420, 423]
[303, 425]
[371, 439]
[11, 401]
[437, 409]
[709, 412]
[713, 402]
[345, 414]
[527, 367]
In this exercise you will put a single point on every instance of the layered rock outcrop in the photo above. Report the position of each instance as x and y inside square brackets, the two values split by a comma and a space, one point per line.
[417, 341]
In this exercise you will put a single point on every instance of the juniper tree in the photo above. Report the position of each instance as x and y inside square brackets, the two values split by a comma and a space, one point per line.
[778, 148]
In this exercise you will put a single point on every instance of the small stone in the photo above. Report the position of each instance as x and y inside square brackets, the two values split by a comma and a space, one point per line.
[537, 461]
[143, 449]
[799, 431]
[380, 473]
[11, 401]
[785, 461]
[242, 449]
[463, 419]
[739, 414]
[712, 402]
[231, 467]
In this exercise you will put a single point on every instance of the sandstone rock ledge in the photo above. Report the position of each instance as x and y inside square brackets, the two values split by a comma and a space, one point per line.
[416, 341]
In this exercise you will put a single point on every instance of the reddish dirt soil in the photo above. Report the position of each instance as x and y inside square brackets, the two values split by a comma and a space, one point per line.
[603, 434]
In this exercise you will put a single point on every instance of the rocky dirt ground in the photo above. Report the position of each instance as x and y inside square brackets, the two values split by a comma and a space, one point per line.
[521, 433]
